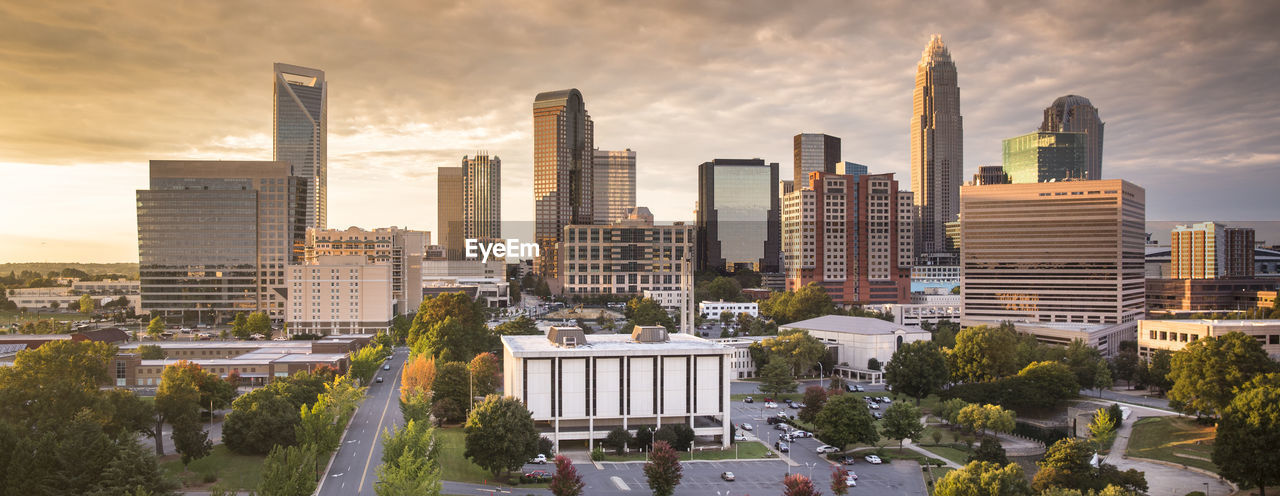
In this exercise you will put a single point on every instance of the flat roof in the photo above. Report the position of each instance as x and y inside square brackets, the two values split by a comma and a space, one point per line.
[852, 325]
[273, 345]
[1213, 322]
[29, 337]
[251, 358]
[613, 344]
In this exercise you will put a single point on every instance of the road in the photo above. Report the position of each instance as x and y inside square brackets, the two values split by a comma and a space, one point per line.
[354, 469]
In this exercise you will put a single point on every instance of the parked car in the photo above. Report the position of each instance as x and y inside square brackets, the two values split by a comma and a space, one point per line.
[540, 459]
[827, 449]
[850, 388]
[885, 399]
[785, 415]
[873, 459]
[746, 427]
[781, 446]
[850, 481]
[859, 388]
[853, 475]
[537, 476]
[739, 437]
[770, 404]
[877, 415]
[798, 405]
[727, 476]
[802, 434]
[386, 367]
[846, 460]
[781, 427]
[874, 406]
[773, 420]
[787, 437]
[748, 400]
[793, 406]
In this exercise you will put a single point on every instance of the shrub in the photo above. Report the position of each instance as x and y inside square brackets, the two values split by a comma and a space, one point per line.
[597, 454]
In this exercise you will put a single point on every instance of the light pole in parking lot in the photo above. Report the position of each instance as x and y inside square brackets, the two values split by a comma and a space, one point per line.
[822, 373]
[810, 465]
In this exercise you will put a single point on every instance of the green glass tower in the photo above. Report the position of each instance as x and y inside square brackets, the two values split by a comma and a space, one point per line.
[1042, 157]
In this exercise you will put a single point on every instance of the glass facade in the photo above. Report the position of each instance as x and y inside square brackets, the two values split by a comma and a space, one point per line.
[1042, 157]
[301, 134]
[482, 196]
[615, 184]
[738, 215]
[562, 170]
[937, 152]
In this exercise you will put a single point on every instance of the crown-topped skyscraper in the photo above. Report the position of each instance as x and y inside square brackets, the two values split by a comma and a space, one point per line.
[937, 153]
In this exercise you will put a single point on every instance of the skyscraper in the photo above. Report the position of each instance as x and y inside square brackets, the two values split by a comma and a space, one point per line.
[300, 133]
[937, 152]
[1210, 250]
[990, 174]
[563, 140]
[214, 237]
[738, 222]
[615, 184]
[814, 152]
[482, 197]
[1041, 157]
[1075, 114]
[449, 210]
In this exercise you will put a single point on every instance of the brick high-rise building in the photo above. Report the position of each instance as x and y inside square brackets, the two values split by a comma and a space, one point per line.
[402, 250]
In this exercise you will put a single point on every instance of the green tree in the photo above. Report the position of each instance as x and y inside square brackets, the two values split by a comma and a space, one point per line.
[155, 327]
[500, 435]
[798, 485]
[317, 426]
[1104, 425]
[258, 323]
[797, 349]
[1159, 369]
[151, 352]
[86, 304]
[1207, 371]
[414, 436]
[902, 421]
[240, 326]
[519, 326]
[618, 439]
[566, 481]
[452, 339]
[663, 471]
[984, 479]
[1247, 449]
[1083, 360]
[259, 420]
[1053, 383]
[409, 475]
[805, 303]
[1066, 464]
[400, 329]
[451, 388]
[981, 418]
[289, 471]
[814, 398]
[178, 401]
[950, 409]
[844, 421]
[983, 353]
[364, 363]
[191, 442]
[723, 288]
[918, 369]
[991, 451]
[468, 314]
[647, 312]
[484, 370]
[775, 378]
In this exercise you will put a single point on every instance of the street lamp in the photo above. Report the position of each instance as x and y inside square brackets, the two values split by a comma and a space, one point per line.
[822, 373]
[810, 465]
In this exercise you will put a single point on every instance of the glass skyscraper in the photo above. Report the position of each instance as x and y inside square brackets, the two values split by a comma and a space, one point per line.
[615, 184]
[738, 219]
[562, 170]
[300, 134]
[813, 152]
[1076, 114]
[482, 196]
[1042, 157]
[937, 152]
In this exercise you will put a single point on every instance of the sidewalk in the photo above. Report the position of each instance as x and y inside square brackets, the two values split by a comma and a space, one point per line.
[1162, 478]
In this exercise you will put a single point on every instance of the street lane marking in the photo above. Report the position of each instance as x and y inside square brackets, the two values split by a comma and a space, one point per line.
[365, 474]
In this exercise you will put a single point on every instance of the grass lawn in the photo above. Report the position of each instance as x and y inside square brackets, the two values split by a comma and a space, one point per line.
[744, 450]
[231, 470]
[952, 452]
[888, 454]
[7, 318]
[1164, 438]
[936, 473]
[454, 466]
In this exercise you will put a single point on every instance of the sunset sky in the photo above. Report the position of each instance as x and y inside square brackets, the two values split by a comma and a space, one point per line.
[90, 91]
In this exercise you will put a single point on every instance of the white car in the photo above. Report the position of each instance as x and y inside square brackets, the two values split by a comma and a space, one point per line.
[802, 434]
[850, 481]
[740, 437]
[826, 449]
[872, 459]
[874, 406]
[746, 427]
[540, 459]
[770, 404]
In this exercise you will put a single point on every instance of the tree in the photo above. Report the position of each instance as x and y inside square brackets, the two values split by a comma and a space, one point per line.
[86, 304]
[1247, 449]
[409, 475]
[259, 420]
[566, 481]
[918, 369]
[1066, 464]
[798, 485]
[519, 326]
[814, 398]
[663, 470]
[317, 427]
[434, 310]
[1051, 383]
[838, 475]
[1159, 369]
[416, 437]
[178, 403]
[240, 326]
[950, 410]
[155, 327]
[836, 384]
[288, 471]
[151, 352]
[1083, 360]
[983, 353]
[451, 390]
[618, 439]
[981, 418]
[844, 421]
[775, 378]
[191, 442]
[1207, 371]
[484, 371]
[1125, 364]
[400, 329]
[723, 289]
[805, 303]
[990, 450]
[984, 479]
[647, 312]
[797, 349]
[258, 323]
[500, 435]
[1103, 427]
[902, 421]
[364, 363]
[452, 339]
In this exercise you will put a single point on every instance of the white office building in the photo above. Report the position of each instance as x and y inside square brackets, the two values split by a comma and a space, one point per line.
[339, 295]
[713, 309]
[857, 340]
[579, 387]
[668, 300]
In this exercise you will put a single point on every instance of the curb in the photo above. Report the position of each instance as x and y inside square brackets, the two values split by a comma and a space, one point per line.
[333, 456]
[1179, 466]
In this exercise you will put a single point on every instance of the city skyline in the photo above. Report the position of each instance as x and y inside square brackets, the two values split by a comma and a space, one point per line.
[1183, 111]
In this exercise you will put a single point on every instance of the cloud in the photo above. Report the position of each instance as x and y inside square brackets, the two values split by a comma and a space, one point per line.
[1186, 90]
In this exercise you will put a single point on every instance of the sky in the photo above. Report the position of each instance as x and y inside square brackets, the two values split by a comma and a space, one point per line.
[91, 91]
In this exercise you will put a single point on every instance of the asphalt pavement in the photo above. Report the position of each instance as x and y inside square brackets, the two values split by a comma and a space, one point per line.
[354, 468]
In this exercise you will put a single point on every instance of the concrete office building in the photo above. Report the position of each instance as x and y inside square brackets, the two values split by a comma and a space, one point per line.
[1042, 157]
[1174, 335]
[738, 223]
[579, 387]
[1210, 250]
[852, 235]
[814, 152]
[1068, 252]
[1076, 114]
[403, 250]
[627, 257]
[450, 201]
[669, 300]
[914, 314]
[300, 134]
[214, 238]
[785, 186]
[1106, 338]
[482, 197]
[856, 340]
[346, 294]
[484, 280]
[741, 366]
[937, 153]
[563, 173]
[713, 309]
[614, 188]
[990, 174]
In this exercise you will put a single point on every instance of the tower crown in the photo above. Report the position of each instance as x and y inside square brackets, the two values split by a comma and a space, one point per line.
[935, 52]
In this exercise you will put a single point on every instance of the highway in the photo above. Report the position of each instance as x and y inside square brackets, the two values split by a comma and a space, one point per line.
[354, 469]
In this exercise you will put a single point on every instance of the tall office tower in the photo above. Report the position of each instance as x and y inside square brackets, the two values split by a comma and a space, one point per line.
[615, 184]
[482, 197]
[785, 186]
[449, 210]
[214, 237]
[990, 174]
[851, 235]
[402, 249]
[1041, 157]
[300, 134]
[1053, 252]
[563, 140]
[814, 152]
[937, 152]
[850, 168]
[1210, 250]
[738, 224]
[1075, 114]
[628, 256]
